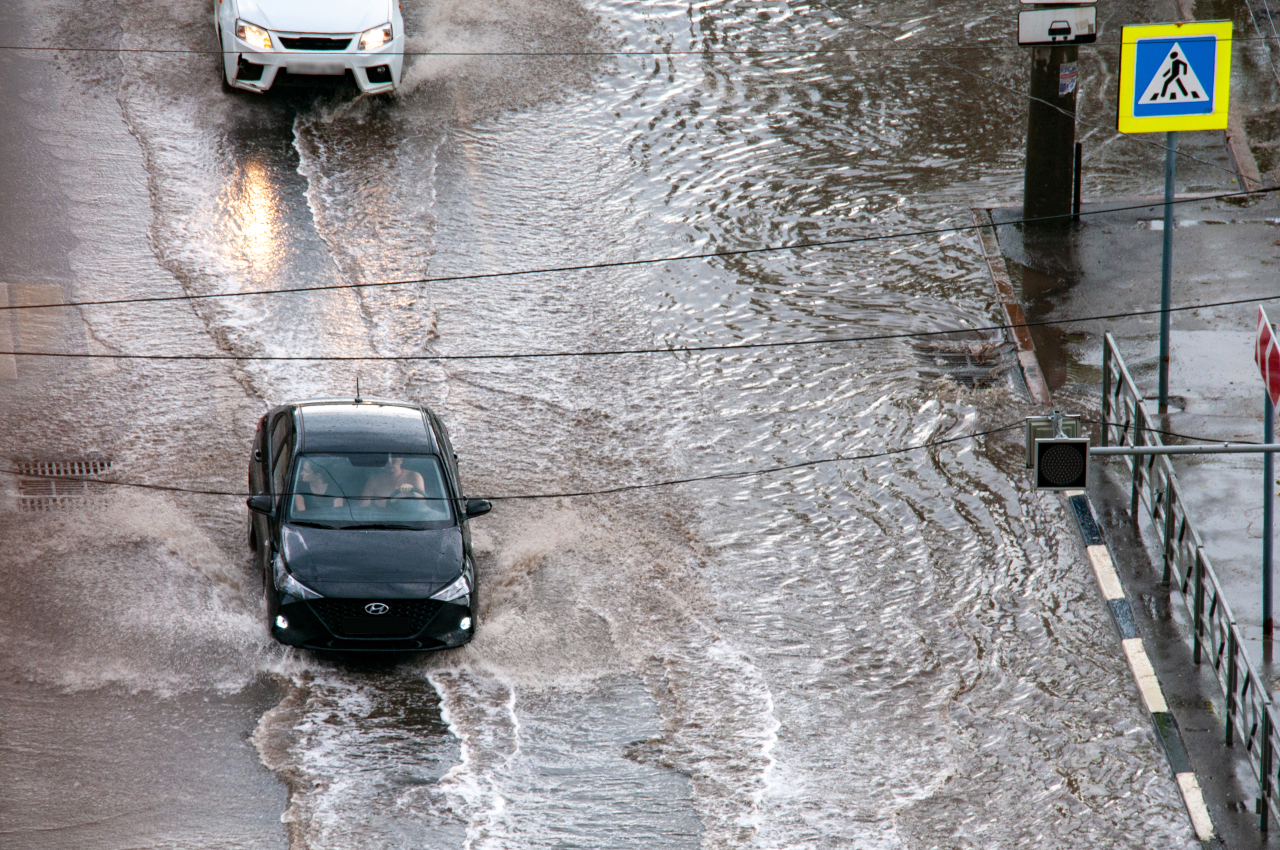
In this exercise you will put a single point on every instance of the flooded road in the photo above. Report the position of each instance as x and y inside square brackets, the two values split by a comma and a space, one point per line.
[902, 652]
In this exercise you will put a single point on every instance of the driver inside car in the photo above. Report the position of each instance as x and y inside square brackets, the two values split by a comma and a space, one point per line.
[393, 481]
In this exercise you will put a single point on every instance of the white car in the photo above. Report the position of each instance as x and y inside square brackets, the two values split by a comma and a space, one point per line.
[310, 41]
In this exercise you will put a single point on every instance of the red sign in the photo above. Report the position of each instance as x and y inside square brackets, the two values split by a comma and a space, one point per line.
[1266, 351]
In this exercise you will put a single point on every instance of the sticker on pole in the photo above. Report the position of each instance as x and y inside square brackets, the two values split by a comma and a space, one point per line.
[1174, 77]
[1266, 353]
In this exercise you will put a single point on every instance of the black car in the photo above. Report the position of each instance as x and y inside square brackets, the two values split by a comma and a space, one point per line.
[360, 526]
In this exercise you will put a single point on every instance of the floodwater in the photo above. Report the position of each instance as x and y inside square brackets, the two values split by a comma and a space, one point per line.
[893, 653]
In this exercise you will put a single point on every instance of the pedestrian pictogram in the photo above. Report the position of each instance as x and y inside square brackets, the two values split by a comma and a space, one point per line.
[1174, 77]
[1266, 353]
[1176, 82]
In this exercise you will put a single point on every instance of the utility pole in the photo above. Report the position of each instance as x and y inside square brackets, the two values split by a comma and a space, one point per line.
[1049, 179]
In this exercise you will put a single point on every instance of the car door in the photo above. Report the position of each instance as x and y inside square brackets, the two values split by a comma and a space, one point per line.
[450, 459]
[446, 453]
[261, 530]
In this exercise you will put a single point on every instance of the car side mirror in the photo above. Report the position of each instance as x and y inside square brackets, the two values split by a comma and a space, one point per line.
[478, 507]
[261, 504]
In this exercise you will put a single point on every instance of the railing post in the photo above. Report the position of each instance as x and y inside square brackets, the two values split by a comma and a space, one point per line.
[1106, 387]
[1198, 641]
[1231, 686]
[1264, 784]
[1137, 478]
[1168, 531]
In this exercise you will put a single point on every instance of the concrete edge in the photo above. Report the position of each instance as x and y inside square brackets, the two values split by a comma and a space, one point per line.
[1242, 158]
[1100, 206]
[1011, 306]
[1144, 675]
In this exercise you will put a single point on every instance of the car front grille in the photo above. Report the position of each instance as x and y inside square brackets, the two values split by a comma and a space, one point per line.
[348, 617]
[314, 42]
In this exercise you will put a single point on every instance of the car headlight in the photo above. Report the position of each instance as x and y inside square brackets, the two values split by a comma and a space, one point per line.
[254, 36]
[287, 585]
[459, 588]
[376, 37]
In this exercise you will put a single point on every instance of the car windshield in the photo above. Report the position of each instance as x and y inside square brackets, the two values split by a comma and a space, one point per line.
[370, 490]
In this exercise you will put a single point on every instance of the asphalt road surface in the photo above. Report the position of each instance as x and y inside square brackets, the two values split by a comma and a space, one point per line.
[896, 653]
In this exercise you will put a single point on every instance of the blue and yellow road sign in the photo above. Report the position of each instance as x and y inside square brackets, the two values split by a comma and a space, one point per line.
[1175, 77]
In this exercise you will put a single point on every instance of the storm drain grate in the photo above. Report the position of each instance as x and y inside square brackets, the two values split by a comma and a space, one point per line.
[46, 485]
[975, 363]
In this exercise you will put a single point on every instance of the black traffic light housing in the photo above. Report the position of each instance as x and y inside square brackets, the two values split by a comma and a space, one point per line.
[1058, 452]
[1061, 463]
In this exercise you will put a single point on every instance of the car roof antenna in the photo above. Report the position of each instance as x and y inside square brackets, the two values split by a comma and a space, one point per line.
[358, 399]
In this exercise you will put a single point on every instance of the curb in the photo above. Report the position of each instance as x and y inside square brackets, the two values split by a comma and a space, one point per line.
[1012, 307]
[1144, 675]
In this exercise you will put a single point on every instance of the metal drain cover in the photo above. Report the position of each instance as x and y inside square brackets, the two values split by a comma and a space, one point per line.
[971, 363]
[45, 485]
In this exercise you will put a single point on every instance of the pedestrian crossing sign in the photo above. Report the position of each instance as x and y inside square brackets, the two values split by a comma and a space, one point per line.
[1174, 77]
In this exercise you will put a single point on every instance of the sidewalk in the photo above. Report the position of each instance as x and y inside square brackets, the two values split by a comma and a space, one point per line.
[1108, 264]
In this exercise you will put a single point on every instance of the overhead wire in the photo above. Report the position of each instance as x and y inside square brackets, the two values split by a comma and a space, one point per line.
[1028, 96]
[621, 352]
[710, 255]
[1253, 17]
[623, 488]
[1134, 427]
[743, 51]
[605, 491]
[616, 264]
[928, 48]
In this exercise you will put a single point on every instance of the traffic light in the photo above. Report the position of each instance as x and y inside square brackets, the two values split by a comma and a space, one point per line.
[1061, 463]
[1044, 427]
[1057, 452]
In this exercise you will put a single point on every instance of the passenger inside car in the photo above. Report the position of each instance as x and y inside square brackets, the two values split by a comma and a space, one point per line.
[315, 489]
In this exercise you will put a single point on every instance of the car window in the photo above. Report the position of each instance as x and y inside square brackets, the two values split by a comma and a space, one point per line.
[447, 448]
[344, 490]
[257, 478]
[281, 450]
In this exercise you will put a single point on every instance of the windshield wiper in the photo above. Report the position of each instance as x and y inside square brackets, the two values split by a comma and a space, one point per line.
[382, 525]
[311, 524]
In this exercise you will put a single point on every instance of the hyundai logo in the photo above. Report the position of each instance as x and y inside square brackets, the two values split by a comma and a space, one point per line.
[377, 608]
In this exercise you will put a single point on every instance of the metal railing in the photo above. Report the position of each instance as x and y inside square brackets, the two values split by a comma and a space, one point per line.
[1247, 708]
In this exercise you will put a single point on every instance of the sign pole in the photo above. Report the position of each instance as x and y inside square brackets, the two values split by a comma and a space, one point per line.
[1166, 267]
[1266, 353]
[1268, 513]
[1173, 77]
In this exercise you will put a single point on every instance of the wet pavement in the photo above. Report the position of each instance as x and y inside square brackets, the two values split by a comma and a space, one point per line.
[905, 652]
[1223, 251]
